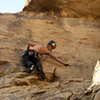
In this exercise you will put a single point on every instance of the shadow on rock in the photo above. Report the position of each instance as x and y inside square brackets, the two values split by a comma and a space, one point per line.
[4, 67]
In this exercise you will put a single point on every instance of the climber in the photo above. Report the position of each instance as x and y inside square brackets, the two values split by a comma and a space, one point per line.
[34, 52]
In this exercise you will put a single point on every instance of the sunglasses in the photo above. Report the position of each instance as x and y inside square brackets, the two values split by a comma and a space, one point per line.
[54, 44]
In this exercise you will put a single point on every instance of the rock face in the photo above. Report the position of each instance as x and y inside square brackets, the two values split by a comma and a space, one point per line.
[95, 86]
[65, 8]
[78, 43]
[96, 77]
[96, 93]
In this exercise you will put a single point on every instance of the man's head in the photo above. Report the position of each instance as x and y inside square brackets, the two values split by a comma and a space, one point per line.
[51, 44]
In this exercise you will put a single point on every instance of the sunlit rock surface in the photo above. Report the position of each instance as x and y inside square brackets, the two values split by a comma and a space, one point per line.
[65, 8]
[95, 86]
[96, 76]
[78, 43]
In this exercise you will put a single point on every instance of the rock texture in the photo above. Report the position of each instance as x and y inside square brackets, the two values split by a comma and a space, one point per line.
[78, 43]
[95, 85]
[65, 8]
[96, 93]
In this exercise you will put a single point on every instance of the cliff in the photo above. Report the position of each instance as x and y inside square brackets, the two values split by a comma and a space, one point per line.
[78, 43]
[65, 8]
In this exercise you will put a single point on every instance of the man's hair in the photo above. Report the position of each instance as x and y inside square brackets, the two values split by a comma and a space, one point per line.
[52, 42]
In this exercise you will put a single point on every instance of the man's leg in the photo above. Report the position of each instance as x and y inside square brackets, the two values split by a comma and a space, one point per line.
[27, 63]
[39, 68]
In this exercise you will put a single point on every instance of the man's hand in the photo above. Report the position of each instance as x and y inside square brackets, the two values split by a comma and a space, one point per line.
[66, 65]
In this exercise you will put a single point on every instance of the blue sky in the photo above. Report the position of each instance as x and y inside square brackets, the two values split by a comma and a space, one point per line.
[11, 6]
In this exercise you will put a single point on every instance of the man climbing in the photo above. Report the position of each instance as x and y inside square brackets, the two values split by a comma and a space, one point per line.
[34, 52]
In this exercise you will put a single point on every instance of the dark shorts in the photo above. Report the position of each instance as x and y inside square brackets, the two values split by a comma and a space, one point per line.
[33, 60]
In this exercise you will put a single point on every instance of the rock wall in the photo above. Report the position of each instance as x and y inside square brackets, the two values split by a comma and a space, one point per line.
[65, 8]
[78, 43]
[96, 93]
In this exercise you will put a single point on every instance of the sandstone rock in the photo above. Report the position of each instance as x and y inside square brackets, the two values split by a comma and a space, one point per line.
[95, 79]
[97, 96]
[77, 41]
[63, 96]
[51, 76]
[65, 8]
[3, 62]
[96, 93]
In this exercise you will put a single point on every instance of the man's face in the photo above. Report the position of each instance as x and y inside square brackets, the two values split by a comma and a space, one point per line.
[51, 47]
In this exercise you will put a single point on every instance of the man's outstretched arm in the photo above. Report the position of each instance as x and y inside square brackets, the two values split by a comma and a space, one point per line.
[57, 59]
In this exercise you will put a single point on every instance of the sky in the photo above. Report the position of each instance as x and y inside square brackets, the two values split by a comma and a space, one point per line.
[11, 6]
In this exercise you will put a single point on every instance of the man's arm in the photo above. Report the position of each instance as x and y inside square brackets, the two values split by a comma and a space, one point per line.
[30, 44]
[57, 59]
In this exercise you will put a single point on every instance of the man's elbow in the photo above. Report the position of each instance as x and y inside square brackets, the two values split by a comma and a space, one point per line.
[30, 44]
